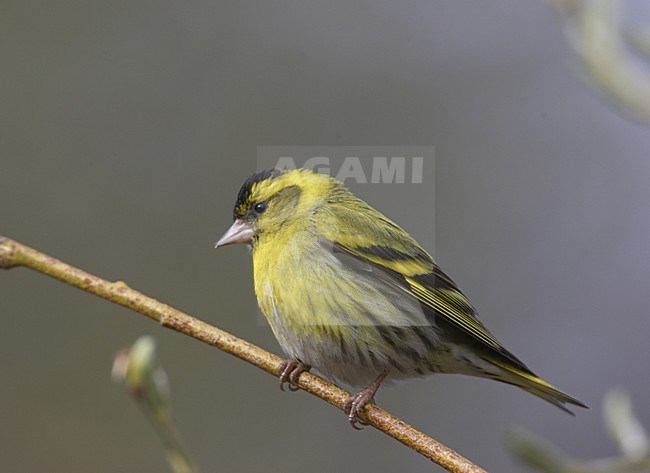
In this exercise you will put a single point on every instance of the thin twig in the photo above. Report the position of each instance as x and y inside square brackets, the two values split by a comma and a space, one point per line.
[624, 427]
[140, 371]
[595, 31]
[14, 254]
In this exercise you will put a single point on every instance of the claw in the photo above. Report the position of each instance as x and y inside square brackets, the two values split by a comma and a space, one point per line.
[286, 368]
[293, 376]
[290, 370]
[355, 405]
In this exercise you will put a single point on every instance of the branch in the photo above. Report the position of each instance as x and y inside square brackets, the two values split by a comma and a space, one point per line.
[14, 254]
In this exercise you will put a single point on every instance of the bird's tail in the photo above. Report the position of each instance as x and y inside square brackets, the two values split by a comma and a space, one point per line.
[522, 377]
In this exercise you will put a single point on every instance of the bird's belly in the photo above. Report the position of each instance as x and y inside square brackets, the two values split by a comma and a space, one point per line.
[356, 354]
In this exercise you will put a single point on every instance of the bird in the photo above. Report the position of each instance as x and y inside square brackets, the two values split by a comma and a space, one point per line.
[348, 292]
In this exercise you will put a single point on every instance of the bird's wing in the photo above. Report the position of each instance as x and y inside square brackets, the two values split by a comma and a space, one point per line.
[361, 239]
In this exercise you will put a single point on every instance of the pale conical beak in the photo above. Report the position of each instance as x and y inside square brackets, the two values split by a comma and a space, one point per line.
[239, 232]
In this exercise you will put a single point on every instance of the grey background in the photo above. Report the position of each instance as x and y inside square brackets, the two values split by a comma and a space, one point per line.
[127, 128]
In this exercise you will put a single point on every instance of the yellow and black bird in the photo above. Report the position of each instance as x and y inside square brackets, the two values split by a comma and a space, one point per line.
[350, 293]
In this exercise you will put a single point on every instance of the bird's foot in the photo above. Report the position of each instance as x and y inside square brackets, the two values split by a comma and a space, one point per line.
[355, 405]
[289, 371]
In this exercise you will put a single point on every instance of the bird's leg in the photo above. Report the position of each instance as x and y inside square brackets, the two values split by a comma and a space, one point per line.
[356, 403]
[289, 371]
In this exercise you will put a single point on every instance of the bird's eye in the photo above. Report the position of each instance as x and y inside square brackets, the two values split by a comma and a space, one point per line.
[260, 207]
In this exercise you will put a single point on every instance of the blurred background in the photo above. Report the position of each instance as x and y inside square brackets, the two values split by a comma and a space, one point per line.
[126, 129]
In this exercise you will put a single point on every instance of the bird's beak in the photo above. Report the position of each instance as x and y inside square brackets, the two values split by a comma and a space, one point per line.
[239, 232]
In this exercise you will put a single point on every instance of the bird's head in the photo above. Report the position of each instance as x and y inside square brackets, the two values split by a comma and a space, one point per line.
[271, 200]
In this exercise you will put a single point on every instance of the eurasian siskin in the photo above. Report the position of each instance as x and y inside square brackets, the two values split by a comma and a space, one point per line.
[350, 293]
